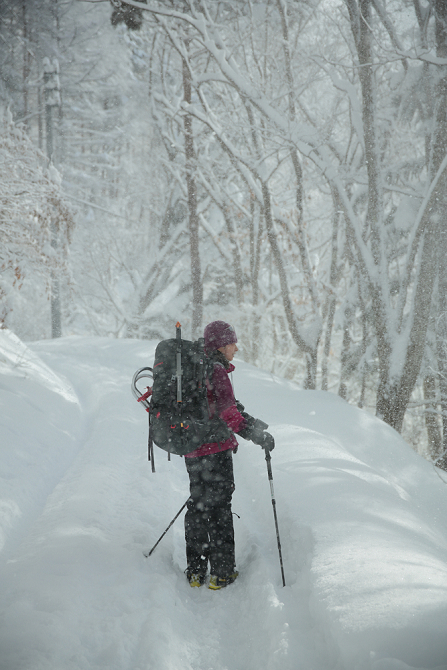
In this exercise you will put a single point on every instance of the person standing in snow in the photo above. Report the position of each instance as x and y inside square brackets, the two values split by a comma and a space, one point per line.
[209, 530]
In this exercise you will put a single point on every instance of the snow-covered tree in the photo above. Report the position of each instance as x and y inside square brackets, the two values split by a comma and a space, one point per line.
[359, 145]
[32, 210]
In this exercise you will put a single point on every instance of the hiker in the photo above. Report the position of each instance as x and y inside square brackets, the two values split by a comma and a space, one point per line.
[209, 530]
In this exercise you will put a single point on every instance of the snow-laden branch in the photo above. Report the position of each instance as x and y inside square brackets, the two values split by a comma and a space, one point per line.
[101, 209]
[304, 137]
[206, 225]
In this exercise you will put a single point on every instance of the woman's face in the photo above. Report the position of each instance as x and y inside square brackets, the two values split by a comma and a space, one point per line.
[229, 350]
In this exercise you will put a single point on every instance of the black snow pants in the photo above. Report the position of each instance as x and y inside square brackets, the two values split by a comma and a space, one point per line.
[209, 530]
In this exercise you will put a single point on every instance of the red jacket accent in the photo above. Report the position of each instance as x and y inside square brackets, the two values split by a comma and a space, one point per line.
[221, 401]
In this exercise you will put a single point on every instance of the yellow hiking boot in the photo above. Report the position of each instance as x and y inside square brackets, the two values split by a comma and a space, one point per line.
[195, 578]
[217, 583]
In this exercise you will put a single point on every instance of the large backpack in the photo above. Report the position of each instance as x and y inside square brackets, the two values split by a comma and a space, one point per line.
[179, 417]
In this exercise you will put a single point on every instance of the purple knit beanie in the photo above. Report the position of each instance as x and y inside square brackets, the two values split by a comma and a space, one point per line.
[218, 334]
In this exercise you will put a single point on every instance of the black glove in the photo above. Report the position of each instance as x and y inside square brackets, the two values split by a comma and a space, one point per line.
[269, 442]
[255, 430]
[264, 439]
[253, 427]
[251, 424]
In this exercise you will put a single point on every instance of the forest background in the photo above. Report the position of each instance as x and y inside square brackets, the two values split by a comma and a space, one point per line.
[275, 163]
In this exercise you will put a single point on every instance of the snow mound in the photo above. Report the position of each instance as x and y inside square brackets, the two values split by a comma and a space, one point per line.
[39, 430]
[377, 514]
[17, 359]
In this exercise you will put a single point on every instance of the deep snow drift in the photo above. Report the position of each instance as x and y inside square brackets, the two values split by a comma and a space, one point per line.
[363, 523]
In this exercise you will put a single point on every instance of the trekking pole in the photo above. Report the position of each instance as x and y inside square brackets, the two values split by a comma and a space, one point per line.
[148, 553]
[269, 470]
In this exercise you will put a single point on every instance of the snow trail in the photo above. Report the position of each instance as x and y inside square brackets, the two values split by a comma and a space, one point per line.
[122, 610]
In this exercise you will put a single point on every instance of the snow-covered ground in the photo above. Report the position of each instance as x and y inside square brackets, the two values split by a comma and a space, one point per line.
[363, 523]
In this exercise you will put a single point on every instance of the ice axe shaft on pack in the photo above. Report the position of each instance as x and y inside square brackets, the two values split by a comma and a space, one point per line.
[179, 362]
[268, 459]
[148, 553]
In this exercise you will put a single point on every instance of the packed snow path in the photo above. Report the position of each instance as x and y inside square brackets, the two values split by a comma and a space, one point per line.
[362, 522]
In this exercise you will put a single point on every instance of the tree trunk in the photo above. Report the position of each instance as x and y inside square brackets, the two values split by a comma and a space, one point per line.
[300, 234]
[255, 266]
[331, 302]
[373, 220]
[327, 342]
[431, 421]
[237, 262]
[394, 395]
[26, 62]
[441, 346]
[347, 323]
[439, 150]
[309, 351]
[196, 274]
